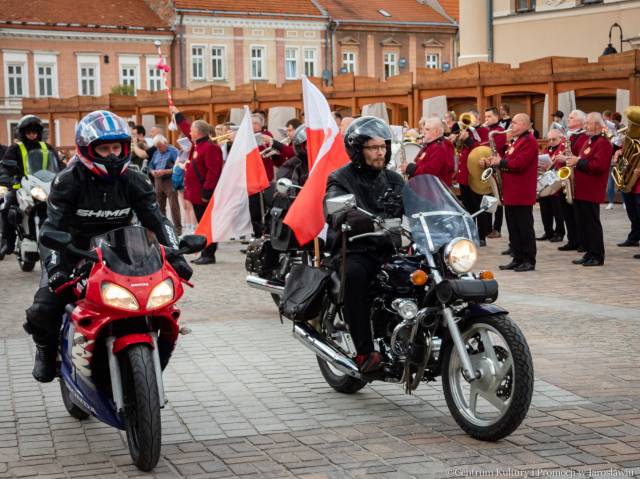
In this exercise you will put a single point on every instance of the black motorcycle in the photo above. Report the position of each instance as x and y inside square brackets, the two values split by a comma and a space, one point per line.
[271, 257]
[431, 317]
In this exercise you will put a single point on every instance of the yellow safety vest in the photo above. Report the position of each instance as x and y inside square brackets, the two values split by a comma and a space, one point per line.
[25, 155]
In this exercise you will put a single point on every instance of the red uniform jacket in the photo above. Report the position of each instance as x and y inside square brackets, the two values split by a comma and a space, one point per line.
[592, 169]
[520, 171]
[554, 151]
[436, 159]
[500, 140]
[271, 161]
[206, 158]
[463, 172]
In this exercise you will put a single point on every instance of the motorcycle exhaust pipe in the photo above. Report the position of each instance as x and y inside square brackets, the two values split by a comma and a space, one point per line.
[308, 336]
[264, 285]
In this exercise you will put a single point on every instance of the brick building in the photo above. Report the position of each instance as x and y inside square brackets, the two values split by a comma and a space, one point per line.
[54, 50]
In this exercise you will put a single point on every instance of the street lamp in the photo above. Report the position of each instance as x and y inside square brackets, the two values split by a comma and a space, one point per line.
[610, 49]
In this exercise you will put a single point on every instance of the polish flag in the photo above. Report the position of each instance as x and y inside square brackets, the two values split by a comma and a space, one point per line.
[227, 214]
[326, 153]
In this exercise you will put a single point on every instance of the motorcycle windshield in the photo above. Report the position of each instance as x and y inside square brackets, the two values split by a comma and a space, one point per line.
[435, 217]
[130, 251]
[45, 176]
[36, 161]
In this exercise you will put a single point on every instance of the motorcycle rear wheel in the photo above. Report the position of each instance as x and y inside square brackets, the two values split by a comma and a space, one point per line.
[142, 406]
[492, 407]
[69, 405]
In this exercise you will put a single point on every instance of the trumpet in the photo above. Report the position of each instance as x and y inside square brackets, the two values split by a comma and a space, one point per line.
[222, 139]
[465, 122]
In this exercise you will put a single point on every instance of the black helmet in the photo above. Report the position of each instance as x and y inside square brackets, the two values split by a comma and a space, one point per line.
[299, 142]
[362, 130]
[29, 123]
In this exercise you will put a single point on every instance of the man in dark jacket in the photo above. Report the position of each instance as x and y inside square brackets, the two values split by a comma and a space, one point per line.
[368, 143]
[29, 149]
[94, 195]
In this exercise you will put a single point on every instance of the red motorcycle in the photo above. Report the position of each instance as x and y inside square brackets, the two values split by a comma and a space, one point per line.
[118, 336]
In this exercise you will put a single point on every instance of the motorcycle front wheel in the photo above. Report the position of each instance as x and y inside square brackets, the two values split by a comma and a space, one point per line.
[493, 406]
[142, 406]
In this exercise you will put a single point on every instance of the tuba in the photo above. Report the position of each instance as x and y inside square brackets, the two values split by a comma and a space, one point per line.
[565, 174]
[623, 173]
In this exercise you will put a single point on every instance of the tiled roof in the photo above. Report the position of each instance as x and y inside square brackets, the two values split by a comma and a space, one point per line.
[387, 11]
[297, 8]
[132, 15]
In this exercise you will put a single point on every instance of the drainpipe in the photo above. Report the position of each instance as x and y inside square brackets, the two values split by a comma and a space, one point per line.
[181, 50]
[490, 31]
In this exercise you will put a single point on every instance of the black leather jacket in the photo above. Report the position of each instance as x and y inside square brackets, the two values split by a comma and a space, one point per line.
[296, 169]
[85, 206]
[13, 154]
[369, 187]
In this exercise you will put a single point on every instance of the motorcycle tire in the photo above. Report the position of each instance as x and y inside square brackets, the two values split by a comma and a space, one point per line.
[26, 266]
[142, 406]
[341, 382]
[513, 390]
[276, 298]
[69, 405]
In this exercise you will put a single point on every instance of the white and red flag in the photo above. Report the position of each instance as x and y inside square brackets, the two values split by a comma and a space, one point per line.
[325, 153]
[227, 214]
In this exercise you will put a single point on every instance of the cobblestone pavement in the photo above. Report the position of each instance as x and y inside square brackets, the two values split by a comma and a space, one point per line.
[247, 400]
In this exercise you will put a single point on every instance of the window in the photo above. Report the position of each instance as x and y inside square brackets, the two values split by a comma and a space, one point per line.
[349, 62]
[310, 62]
[154, 78]
[290, 63]
[128, 76]
[525, 5]
[15, 80]
[88, 80]
[257, 63]
[217, 63]
[197, 63]
[433, 60]
[45, 79]
[390, 64]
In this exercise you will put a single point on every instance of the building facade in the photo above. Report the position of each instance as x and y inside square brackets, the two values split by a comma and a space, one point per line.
[58, 52]
[516, 31]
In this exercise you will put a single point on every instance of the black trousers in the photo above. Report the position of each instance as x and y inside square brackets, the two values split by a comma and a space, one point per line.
[44, 316]
[632, 203]
[471, 201]
[587, 215]
[8, 230]
[497, 219]
[573, 235]
[522, 237]
[256, 213]
[360, 270]
[551, 214]
[210, 250]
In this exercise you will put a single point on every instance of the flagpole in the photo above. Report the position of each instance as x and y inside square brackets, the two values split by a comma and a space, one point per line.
[316, 250]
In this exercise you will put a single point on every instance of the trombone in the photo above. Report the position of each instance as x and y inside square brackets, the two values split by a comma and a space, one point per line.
[222, 139]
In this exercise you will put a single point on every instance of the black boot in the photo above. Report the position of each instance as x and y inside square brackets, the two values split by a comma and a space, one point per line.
[44, 368]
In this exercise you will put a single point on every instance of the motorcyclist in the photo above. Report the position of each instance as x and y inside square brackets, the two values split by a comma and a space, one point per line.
[296, 168]
[15, 163]
[95, 194]
[377, 190]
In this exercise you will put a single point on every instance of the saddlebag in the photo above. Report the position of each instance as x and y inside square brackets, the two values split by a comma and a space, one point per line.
[261, 259]
[473, 290]
[303, 292]
[281, 235]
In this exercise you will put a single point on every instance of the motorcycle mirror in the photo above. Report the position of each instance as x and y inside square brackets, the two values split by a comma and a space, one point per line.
[340, 203]
[192, 244]
[55, 240]
[283, 185]
[489, 204]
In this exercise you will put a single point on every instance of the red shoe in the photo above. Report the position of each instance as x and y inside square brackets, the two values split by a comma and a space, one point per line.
[369, 363]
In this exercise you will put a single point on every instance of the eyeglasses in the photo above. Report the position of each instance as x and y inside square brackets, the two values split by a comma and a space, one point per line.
[375, 148]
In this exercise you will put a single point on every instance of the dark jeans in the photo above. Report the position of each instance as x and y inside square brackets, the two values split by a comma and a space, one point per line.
[8, 230]
[497, 220]
[210, 250]
[551, 212]
[590, 228]
[360, 270]
[632, 203]
[257, 214]
[471, 201]
[573, 235]
[522, 237]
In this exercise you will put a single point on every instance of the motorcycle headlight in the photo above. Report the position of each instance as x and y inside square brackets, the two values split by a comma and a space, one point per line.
[38, 193]
[406, 308]
[461, 255]
[118, 297]
[161, 294]
[3, 191]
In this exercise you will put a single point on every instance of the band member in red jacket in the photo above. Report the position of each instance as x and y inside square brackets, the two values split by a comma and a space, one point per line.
[519, 170]
[577, 139]
[436, 157]
[551, 206]
[591, 169]
[201, 174]
[492, 123]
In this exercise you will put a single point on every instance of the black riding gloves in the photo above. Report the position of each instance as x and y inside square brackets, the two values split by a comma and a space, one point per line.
[182, 267]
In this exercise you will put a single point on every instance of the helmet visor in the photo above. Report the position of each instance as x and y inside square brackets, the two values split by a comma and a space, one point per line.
[368, 127]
